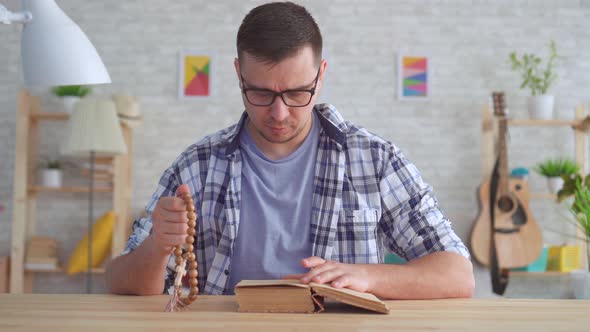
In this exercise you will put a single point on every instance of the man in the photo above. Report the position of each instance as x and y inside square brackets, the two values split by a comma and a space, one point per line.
[294, 191]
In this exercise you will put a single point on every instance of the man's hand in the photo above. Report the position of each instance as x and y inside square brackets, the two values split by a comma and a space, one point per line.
[170, 222]
[339, 275]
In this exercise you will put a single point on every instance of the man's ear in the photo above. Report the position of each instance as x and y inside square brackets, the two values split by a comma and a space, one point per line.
[237, 67]
[323, 67]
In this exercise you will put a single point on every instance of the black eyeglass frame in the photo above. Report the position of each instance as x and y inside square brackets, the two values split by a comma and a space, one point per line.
[311, 92]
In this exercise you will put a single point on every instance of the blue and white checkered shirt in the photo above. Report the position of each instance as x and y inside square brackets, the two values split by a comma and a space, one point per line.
[367, 198]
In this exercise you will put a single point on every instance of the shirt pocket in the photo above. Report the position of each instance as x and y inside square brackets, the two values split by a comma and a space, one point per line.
[357, 236]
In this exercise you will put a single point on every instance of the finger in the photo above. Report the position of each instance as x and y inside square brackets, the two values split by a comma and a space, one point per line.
[172, 204]
[293, 276]
[329, 265]
[327, 276]
[173, 216]
[182, 189]
[170, 240]
[342, 281]
[173, 228]
[311, 262]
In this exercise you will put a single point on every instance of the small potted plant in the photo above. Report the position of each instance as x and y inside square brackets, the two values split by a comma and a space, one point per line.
[538, 79]
[51, 173]
[580, 209]
[555, 170]
[70, 95]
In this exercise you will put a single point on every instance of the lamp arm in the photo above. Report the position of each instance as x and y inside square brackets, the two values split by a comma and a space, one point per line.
[7, 17]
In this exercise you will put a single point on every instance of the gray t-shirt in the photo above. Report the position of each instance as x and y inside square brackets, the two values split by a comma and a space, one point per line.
[275, 212]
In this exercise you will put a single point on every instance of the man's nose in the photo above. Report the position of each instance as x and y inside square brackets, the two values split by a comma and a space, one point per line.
[279, 111]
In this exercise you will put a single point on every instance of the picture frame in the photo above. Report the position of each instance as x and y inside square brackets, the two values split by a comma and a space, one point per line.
[195, 74]
[414, 77]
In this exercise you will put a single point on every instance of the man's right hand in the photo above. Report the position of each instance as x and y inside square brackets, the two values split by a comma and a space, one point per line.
[170, 222]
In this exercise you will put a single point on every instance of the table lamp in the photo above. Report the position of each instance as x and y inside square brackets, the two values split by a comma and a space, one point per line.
[93, 128]
[54, 50]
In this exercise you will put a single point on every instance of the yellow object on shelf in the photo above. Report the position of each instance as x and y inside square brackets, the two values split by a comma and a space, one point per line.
[102, 237]
[563, 258]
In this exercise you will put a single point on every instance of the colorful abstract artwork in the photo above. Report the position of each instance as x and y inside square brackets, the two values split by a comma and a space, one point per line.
[195, 75]
[414, 77]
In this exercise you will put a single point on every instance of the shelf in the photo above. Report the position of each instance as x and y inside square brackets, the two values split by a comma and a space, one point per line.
[97, 270]
[38, 189]
[539, 274]
[531, 122]
[51, 116]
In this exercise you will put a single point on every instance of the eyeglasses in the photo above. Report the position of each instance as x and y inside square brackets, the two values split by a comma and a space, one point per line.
[291, 98]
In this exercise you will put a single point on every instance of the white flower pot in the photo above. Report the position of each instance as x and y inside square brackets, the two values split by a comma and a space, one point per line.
[541, 107]
[581, 284]
[69, 103]
[555, 183]
[51, 178]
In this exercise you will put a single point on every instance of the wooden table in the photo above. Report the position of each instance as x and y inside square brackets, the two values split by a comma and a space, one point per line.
[105, 313]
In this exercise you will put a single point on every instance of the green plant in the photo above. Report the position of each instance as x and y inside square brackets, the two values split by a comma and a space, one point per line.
[538, 80]
[557, 167]
[581, 212]
[71, 90]
[48, 163]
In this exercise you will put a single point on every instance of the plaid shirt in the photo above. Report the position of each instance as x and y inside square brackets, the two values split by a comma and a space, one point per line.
[367, 197]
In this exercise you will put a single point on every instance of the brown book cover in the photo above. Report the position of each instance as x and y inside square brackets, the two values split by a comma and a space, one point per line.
[293, 296]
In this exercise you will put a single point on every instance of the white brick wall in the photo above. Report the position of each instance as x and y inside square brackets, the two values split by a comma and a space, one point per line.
[468, 41]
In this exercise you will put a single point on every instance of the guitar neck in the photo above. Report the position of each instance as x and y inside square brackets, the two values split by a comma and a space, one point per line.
[503, 188]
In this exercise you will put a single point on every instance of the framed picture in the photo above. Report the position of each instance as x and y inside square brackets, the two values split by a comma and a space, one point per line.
[194, 75]
[414, 77]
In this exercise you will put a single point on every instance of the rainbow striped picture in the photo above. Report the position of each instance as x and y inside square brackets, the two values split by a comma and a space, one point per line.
[195, 75]
[414, 77]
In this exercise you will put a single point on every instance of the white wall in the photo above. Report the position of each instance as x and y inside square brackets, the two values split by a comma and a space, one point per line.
[468, 41]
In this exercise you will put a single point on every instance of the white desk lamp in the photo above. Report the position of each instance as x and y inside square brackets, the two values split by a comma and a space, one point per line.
[54, 50]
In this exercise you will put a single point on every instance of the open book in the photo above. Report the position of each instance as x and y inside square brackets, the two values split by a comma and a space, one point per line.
[292, 296]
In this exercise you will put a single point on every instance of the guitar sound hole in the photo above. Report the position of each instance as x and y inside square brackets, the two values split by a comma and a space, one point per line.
[518, 187]
[505, 204]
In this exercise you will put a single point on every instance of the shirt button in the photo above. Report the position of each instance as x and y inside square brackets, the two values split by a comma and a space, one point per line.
[226, 272]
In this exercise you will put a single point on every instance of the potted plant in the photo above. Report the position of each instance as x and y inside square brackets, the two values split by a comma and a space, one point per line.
[555, 170]
[70, 95]
[580, 210]
[538, 79]
[51, 173]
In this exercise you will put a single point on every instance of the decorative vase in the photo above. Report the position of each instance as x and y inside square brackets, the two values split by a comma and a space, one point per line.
[581, 284]
[69, 103]
[51, 177]
[541, 107]
[555, 183]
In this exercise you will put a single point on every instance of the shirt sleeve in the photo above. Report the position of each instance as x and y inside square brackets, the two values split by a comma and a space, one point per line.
[142, 227]
[413, 224]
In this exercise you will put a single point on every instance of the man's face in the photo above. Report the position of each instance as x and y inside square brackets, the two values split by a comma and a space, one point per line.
[278, 123]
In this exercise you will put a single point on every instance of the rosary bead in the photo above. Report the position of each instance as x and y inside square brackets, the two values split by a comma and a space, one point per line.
[191, 231]
[189, 240]
[193, 273]
[189, 248]
[193, 282]
[178, 260]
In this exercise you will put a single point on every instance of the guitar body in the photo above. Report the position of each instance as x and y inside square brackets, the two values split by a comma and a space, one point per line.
[518, 237]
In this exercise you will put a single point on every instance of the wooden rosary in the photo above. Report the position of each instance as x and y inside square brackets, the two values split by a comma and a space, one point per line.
[177, 302]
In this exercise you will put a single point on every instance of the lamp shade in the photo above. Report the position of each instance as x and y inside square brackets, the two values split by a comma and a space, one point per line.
[94, 127]
[55, 51]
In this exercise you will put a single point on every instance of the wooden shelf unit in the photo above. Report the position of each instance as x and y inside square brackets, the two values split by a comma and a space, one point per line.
[580, 126]
[26, 189]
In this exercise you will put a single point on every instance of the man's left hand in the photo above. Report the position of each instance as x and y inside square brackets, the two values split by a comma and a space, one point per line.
[338, 275]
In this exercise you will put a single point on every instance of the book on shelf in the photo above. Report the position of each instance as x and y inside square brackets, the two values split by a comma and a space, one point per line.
[293, 296]
[41, 254]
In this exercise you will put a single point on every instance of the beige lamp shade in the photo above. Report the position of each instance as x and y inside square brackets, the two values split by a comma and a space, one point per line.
[94, 127]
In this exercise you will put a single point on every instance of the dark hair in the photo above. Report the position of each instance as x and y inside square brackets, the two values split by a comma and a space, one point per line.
[275, 31]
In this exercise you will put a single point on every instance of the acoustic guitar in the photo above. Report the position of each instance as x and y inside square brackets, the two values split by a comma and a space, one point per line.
[507, 236]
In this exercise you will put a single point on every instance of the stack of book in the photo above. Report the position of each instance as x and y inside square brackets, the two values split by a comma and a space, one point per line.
[292, 296]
